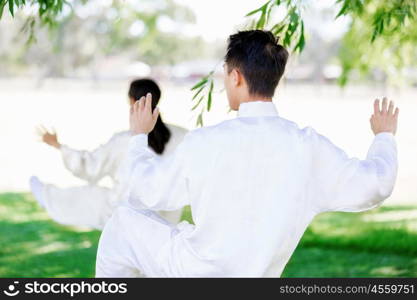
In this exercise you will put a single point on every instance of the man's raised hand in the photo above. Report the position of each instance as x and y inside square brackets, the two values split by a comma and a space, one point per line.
[142, 118]
[47, 137]
[385, 118]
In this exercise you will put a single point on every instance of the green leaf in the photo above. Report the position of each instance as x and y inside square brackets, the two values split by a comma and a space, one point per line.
[268, 14]
[278, 28]
[301, 41]
[198, 92]
[2, 5]
[200, 120]
[11, 7]
[253, 12]
[198, 103]
[344, 8]
[202, 82]
[294, 21]
[343, 79]
[294, 17]
[210, 96]
[378, 25]
[262, 20]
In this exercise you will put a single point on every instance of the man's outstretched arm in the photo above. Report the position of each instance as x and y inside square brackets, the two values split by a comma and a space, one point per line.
[349, 184]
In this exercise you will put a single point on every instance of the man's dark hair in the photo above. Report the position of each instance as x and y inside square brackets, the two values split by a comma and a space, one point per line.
[160, 135]
[259, 57]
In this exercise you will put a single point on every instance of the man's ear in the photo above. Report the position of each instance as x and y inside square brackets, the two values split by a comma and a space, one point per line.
[237, 77]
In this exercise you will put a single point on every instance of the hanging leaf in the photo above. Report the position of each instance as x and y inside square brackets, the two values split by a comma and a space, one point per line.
[278, 28]
[378, 25]
[210, 95]
[202, 82]
[253, 12]
[200, 120]
[198, 92]
[11, 7]
[301, 41]
[262, 20]
[2, 5]
[344, 8]
[198, 103]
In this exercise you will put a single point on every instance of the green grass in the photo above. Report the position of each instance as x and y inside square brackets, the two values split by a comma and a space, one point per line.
[379, 243]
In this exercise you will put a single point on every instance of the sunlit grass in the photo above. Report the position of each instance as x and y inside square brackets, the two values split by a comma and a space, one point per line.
[378, 243]
[34, 246]
[359, 231]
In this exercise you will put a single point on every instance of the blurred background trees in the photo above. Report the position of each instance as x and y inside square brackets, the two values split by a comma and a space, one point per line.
[71, 38]
[381, 41]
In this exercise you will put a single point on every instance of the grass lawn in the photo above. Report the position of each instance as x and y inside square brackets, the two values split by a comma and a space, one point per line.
[379, 243]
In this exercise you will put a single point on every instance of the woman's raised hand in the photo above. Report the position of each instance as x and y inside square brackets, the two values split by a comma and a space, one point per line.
[47, 137]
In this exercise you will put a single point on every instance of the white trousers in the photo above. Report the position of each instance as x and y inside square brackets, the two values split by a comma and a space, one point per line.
[130, 243]
[90, 205]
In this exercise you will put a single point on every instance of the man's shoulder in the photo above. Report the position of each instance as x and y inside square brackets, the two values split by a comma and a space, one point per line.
[236, 124]
[219, 128]
[303, 132]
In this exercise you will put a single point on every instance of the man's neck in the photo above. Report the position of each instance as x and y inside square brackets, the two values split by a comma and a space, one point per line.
[255, 99]
[257, 109]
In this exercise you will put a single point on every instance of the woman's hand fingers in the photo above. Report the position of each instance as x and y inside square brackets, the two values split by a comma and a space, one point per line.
[155, 114]
[148, 103]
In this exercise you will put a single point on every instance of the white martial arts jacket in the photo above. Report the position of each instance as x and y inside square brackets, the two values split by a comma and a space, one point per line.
[109, 159]
[254, 184]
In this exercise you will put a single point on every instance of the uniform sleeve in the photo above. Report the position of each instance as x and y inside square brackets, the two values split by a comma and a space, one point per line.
[91, 166]
[341, 183]
[163, 180]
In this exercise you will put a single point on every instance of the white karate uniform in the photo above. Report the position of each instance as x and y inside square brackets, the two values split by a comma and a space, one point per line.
[92, 205]
[254, 184]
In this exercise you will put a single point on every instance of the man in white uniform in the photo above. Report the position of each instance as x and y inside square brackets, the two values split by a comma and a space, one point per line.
[254, 183]
[92, 205]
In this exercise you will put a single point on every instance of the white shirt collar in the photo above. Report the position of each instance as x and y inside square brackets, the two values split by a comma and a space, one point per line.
[257, 109]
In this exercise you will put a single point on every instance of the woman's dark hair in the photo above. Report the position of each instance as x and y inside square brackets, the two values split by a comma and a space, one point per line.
[259, 57]
[160, 135]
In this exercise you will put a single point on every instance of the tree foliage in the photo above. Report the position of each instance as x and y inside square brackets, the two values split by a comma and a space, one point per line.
[47, 10]
[381, 38]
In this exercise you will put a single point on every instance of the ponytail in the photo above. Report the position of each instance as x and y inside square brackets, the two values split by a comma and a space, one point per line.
[160, 135]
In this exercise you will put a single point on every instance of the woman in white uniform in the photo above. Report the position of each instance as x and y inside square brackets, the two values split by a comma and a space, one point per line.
[92, 205]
